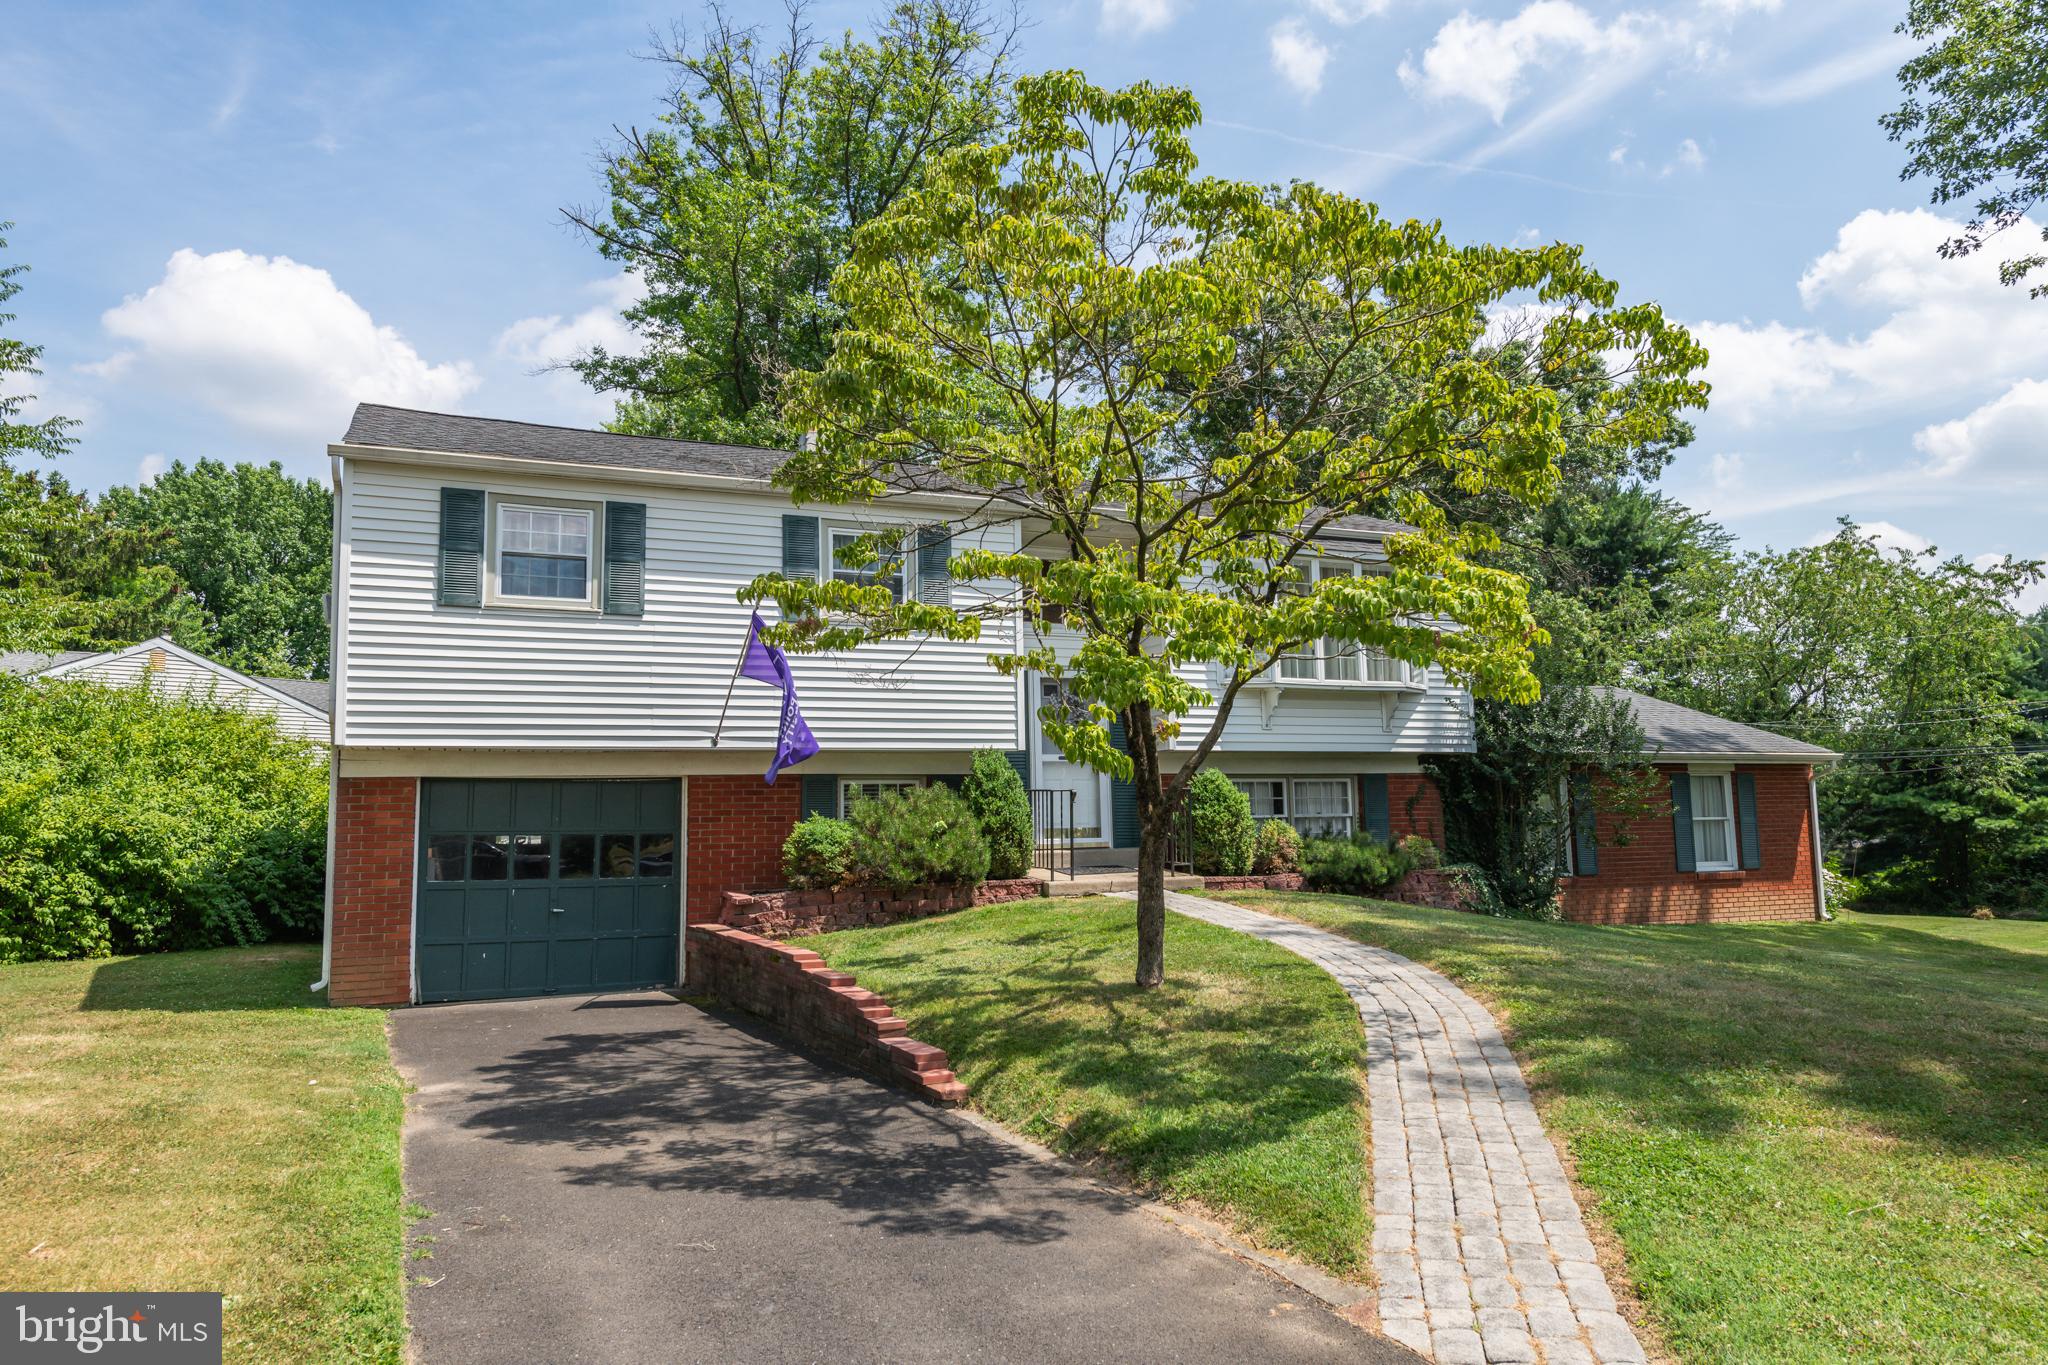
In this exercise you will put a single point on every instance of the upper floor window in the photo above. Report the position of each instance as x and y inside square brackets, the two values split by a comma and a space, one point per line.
[1329, 659]
[888, 572]
[1713, 823]
[542, 552]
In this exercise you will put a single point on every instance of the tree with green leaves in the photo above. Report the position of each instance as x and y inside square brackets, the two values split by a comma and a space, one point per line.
[1975, 117]
[69, 578]
[737, 206]
[1049, 322]
[253, 546]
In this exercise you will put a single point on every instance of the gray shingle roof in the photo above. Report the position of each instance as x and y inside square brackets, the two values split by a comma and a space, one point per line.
[315, 692]
[390, 428]
[26, 662]
[1676, 729]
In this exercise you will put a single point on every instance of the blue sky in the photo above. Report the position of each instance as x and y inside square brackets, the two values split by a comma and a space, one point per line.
[243, 218]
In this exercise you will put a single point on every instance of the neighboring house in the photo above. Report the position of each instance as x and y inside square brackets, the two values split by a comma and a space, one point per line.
[299, 705]
[1741, 840]
[538, 780]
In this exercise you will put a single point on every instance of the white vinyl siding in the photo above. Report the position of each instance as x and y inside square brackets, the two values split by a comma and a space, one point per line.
[415, 674]
[177, 677]
[1713, 823]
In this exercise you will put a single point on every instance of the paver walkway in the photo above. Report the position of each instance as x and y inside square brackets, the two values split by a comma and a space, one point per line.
[1477, 1239]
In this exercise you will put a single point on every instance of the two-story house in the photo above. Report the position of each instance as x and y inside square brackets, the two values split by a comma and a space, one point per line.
[538, 775]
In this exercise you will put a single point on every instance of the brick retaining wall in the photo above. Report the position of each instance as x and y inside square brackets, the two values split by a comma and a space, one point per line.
[794, 914]
[824, 1010]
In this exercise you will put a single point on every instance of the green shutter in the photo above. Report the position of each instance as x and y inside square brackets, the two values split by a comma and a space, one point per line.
[1745, 812]
[1123, 797]
[1021, 761]
[1375, 816]
[1681, 821]
[934, 565]
[459, 573]
[820, 795]
[1585, 843]
[799, 546]
[625, 558]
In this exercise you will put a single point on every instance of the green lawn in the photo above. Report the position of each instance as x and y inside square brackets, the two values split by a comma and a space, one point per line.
[1237, 1086]
[1815, 1141]
[197, 1121]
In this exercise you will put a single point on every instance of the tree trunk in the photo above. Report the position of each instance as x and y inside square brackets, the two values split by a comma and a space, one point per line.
[1151, 907]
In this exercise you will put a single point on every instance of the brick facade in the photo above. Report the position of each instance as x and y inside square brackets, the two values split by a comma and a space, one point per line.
[371, 962]
[1641, 883]
[737, 824]
[1415, 806]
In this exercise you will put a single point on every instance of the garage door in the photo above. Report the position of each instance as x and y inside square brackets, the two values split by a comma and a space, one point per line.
[538, 888]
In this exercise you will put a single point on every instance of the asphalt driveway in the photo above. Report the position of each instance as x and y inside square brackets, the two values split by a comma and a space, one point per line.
[630, 1178]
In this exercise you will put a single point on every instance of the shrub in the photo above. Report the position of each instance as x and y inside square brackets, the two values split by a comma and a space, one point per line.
[1420, 852]
[1222, 820]
[136, 823]
[912, 838]
[1356, 866]
[1002, 807]
[816, 853]
[1278, 848]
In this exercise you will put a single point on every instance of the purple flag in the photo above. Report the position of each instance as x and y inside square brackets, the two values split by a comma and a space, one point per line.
[763, 662]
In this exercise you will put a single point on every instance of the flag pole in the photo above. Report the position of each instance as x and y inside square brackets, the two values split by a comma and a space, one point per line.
[733, 681]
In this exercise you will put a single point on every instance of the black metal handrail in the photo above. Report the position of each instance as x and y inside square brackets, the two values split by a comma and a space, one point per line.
[1180, 841]
[1052, 830]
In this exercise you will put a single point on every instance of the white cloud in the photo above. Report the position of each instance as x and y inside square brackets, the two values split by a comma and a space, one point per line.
[1298, 55]
[1133, 17]
[1487, 61]
[1689, 158]
[1944, 328]
[2005, 439]
[1737, 7]
[149, 466]
[274, 346]
[541, 345]
[1727, 469]
[1825, 77]
[1349, 11]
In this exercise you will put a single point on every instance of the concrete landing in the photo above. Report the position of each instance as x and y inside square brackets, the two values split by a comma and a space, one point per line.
[1109, 883]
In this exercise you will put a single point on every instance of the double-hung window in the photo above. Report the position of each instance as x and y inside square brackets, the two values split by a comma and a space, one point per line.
[888, 572]
[856, 789]
[1713, 823]
[543, 553]
[1328, 659]
[1267, 795]
[1322, 807]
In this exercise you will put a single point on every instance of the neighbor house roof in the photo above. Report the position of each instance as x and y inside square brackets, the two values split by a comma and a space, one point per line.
[375, 425]
[25, 662]
[314, 692]
[1681, 732]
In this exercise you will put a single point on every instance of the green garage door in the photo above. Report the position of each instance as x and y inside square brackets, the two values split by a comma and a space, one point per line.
[538, 888]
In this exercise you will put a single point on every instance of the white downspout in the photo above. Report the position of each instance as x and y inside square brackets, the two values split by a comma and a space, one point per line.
[334, 590]
[1820, 885]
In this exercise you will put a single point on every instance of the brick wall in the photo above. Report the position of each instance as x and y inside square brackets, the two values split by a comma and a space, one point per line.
[373, 855]
[828, 1011]
[1641, 883]
[736, 827]
[1415, 806]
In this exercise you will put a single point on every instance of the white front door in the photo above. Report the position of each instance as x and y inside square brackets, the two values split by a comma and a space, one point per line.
[1090, 788]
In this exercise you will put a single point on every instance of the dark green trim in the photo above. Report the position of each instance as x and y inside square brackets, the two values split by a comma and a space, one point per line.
[799, 546]
[1123, 797]
[820, 795]
[459, 569]
[934, 565]
[1021, 761]
[1376, 816]
[1585, 841]
[1745, 821]
[1681, 821]
[625, 558]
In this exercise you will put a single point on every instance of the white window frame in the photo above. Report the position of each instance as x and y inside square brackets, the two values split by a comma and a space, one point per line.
[1726, 781]
[831, 569]
[1366, 665]
[1295, 814]
[1279, 790]
[496, 505]
[879, 783]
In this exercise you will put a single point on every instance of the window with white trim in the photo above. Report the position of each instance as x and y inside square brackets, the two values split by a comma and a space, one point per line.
[887, 572]
[1322, 807]
[1268, 796]
[543, 553]
[1328, 659]
[854, 789]
[1713, 823]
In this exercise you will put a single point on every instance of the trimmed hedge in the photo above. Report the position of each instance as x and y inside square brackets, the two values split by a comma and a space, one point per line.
[1222, 819]
[1001, 804]
[817, 853]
